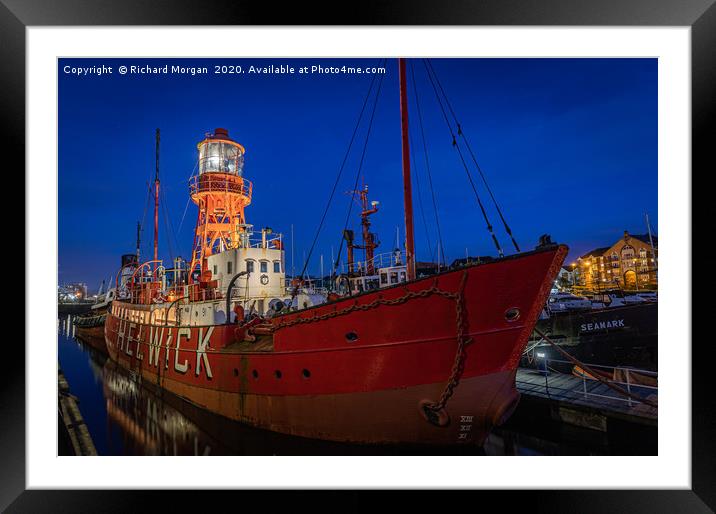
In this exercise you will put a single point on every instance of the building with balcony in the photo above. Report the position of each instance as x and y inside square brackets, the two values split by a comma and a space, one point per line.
[630, 263]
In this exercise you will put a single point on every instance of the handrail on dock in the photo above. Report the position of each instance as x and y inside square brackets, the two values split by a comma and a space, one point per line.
[587, 389]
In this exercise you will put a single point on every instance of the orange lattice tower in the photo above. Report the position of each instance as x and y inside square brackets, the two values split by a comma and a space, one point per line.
[222, 194]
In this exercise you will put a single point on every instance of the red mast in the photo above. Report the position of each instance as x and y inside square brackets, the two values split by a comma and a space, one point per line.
[407, 189]
[156, 201]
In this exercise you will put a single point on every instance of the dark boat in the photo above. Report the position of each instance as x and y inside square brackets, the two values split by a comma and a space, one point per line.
[616, 336]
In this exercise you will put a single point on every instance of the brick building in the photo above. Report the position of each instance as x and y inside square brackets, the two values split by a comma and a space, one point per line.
[630, 263]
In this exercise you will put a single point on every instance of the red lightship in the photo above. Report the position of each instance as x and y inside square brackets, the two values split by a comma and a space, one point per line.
[391, 358]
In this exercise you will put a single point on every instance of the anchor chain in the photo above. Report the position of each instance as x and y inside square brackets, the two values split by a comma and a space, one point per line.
[459, 362]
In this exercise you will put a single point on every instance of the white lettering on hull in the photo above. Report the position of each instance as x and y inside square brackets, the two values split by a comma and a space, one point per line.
[201, 345]
[155, 337]
[155, 343]
[181, 368]
[602, 325]
[121, 334]
[166, 353]
[140, 355]
[127, 348]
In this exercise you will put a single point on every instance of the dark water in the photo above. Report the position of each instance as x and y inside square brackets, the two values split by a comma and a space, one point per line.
[128, 417]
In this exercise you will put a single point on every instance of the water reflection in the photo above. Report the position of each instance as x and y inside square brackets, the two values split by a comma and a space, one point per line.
[150, 424]
[129, 416]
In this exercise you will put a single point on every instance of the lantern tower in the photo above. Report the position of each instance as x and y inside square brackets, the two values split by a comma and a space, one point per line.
[221, 193]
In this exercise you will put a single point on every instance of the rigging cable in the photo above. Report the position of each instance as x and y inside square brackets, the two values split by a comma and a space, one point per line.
[360, 167]
[146, 207]
[181, 223]
[427, 165]
[338, 177]
[168, 226]
[474, 159]
[420, 202]
[464, 164]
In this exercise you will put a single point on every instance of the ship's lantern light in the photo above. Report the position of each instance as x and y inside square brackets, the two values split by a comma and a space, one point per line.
[219, 154]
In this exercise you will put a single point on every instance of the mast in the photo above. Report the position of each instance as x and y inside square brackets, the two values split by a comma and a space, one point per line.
[139, 240]
[407, 189]
[648, 227]
[651, 242]
[156, 200]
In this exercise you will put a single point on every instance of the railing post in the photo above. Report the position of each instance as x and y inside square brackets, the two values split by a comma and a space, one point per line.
[628, 387]
[584, 384]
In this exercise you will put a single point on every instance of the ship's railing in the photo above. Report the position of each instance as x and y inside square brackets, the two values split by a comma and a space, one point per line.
[275, 241]
[382, 260]
[640, 384]
[208, 183]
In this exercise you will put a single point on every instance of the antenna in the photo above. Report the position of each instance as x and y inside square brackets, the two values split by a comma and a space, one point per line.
[651, 242]
[156, 199]
[293, 267]
[139, 238]
[648, 227]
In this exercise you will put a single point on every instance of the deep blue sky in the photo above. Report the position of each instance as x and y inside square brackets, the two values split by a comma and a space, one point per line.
[569, 147]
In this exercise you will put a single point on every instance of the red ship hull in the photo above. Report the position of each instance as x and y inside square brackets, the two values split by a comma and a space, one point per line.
[362, 368]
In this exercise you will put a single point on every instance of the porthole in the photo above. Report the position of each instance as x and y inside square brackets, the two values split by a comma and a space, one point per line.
[277, 373]
[512, 314]
[351, 337]
[306, 373]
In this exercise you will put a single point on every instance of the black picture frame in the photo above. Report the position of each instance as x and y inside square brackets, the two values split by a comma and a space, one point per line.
[700, 15]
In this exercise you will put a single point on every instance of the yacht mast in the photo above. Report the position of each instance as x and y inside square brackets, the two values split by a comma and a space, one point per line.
[156, 200]
[407, 190]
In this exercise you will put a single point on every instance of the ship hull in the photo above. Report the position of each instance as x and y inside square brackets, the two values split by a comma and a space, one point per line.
[361, 369]
[386, 416]
[615, 336]
[92, 336]
[90, 329]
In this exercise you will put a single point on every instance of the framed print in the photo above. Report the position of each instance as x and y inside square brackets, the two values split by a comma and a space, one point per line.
[419, 251]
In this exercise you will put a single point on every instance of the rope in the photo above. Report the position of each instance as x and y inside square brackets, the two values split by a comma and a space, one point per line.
[144, 214]
[427, 163]
[338, 177]
[464, 164]
[474, 159]
[360, 167]
[594, 373]
[420, 202]
[168, 226]
[196, 165]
